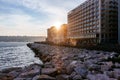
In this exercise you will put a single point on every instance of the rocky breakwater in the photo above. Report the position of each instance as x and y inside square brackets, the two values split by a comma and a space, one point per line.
[18, 73]
[63, 63]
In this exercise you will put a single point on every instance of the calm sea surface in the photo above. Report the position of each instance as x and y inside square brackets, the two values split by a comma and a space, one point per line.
[16, 54]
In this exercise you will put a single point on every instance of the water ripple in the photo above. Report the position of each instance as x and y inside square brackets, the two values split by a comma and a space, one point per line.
[16, 55]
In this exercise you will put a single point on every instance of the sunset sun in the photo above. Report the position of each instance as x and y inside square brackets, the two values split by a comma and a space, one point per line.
[57, 25]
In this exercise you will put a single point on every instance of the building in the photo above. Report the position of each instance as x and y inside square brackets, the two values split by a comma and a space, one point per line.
[57, 36]
[94, 21]
[51, 34]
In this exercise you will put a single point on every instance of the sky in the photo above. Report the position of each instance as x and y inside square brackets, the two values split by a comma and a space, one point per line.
[33, 17]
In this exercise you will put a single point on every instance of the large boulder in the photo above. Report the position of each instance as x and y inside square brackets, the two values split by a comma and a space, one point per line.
[117, 73]
[109, 73]
[77, 77]
[5, 77]
[73, 74]
[43, 77]
[81, 71]
[10, 69]
[98, 77]
[49, 71]
[48, 65]
[94, 67]
[23, 79]
[106, 66]
[15, 73]
[62, 77]
[31, 71]
[70, 67]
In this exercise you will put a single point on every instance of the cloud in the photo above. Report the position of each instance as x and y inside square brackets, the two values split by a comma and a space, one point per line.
[33, 17]
[20, 25]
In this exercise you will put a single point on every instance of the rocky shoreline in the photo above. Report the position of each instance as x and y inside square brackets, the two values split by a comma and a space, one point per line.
[18, 73]
[63, 63]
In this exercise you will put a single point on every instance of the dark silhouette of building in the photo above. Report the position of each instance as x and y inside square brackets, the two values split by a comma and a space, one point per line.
[57, 35]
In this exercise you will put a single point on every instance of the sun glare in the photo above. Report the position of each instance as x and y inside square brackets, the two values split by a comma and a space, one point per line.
[57, 25]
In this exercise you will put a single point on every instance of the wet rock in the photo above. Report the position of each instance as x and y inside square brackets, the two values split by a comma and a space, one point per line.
[10, 69]
[31, 71]
[49, 71]
[43, 77]
[5, 77]
[36, 67]
[62, 77]
[15, 73]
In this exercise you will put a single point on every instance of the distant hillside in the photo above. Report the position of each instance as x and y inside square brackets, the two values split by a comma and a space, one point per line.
[21, 38]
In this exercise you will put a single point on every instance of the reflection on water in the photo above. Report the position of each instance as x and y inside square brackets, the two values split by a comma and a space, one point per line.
[16, 54]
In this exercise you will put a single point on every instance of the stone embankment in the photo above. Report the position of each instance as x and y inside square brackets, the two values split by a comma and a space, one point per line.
[63, 63]
[18, 73]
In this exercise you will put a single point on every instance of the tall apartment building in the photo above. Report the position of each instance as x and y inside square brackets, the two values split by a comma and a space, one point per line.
[94, 21]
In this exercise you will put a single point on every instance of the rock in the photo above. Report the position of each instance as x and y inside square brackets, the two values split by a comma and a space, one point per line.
[81, 71]
[106, 66]
[23, 79]
[117, 65]
[33, 67]
[117, 73]
[62, 77]
[49, 71]
[113, 79]
[91, 77]
[15, 73]
[73, 74]
[5, 77]
[64, 58]
[43, 77]
[31, 71]
[93, 67]
[98, 77]
[48, 65]
[109, 73]
[10, 69]
[70, 67]
[77, 77]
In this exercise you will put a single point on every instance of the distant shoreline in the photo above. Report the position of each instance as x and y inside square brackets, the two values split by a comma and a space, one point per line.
[22, 38]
